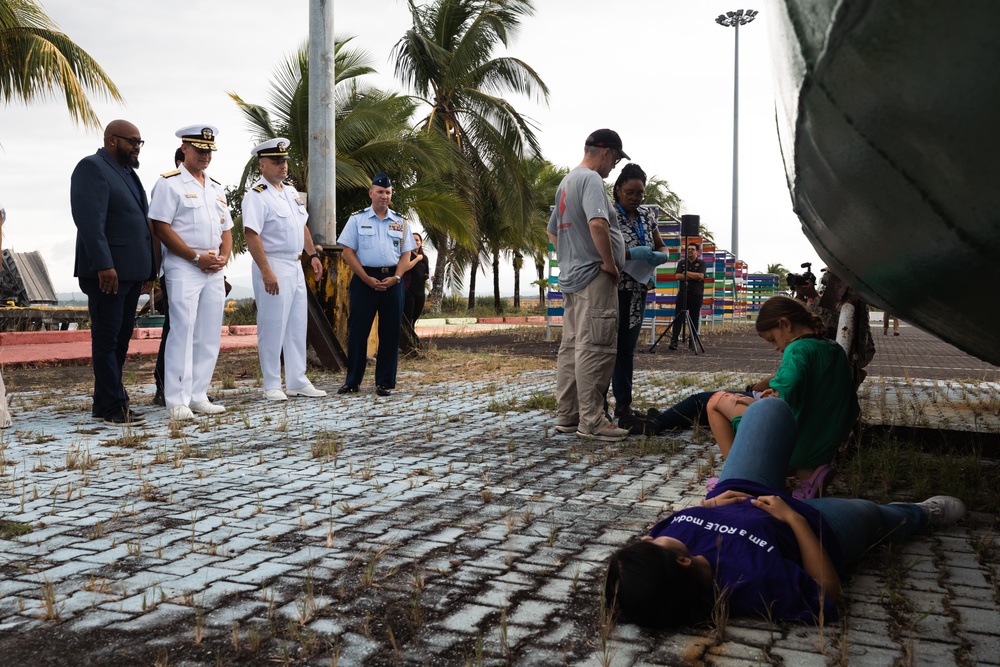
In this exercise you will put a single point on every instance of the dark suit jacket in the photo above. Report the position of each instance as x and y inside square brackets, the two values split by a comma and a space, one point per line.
[112, 230]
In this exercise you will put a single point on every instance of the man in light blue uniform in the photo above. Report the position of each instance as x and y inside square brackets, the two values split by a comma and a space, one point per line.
[377, 243]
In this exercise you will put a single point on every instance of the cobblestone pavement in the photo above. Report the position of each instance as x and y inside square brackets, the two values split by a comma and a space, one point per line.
[446, 524]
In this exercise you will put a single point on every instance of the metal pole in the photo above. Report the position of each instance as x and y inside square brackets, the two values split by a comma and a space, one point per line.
[736, 145]
[321, 185]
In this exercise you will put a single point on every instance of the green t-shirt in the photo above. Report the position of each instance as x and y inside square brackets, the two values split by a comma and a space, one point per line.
[815, 380]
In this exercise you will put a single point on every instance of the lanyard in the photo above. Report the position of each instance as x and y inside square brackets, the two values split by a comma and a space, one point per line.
[640, 231]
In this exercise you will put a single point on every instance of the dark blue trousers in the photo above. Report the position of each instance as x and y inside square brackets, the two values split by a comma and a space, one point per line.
[365, 303]
[112, 318]
[683, 415]
[621, 377]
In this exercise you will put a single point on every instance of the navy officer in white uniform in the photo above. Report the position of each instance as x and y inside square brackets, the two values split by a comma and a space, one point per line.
[274, 220]
[191, 217]
[377, 242]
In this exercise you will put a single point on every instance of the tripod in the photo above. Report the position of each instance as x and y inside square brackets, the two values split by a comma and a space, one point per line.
[682, 318]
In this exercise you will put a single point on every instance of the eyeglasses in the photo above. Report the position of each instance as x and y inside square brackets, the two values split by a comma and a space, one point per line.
[136, 143]
[617, 159]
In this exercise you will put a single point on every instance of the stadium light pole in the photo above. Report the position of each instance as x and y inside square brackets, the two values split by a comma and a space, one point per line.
[735, 19]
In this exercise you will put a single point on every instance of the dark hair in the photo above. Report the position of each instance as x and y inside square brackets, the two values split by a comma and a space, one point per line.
[628, 173]
[778, 307]
[178, 156]
[647, 586]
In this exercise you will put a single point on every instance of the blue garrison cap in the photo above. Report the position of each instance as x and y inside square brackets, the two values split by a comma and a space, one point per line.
[381, 179]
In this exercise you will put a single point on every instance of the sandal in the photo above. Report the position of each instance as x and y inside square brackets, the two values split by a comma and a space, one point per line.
[710, 484]
[815, 486]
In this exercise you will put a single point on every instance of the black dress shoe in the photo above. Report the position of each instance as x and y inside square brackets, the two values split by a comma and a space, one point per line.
[652, 413]
[382, 391]
[125, 417]
[672, 346]
[158, 399]
[347, 389]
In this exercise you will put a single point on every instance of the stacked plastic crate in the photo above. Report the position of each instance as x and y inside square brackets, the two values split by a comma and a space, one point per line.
[740, 277]
[760, 288]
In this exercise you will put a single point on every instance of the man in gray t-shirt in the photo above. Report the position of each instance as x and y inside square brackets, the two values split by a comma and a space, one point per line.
[590, 249]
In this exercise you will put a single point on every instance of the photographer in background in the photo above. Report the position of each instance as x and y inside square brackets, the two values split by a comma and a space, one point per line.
[802, 287]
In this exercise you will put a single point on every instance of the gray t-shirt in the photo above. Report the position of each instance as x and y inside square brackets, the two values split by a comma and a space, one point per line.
[579, 199]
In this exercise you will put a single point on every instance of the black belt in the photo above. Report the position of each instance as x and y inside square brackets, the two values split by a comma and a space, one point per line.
[380, 269]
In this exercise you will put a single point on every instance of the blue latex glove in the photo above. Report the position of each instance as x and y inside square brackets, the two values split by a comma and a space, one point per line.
[658, 258]
[642, 253]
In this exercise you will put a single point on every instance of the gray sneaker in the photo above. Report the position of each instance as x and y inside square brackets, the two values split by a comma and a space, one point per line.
[943, 510]
[609, 433]
[566, 428]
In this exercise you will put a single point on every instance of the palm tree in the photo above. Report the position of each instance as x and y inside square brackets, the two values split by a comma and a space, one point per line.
[373, 131]
[779, 271]
[446, 59]
[658, 192]
[36, 59]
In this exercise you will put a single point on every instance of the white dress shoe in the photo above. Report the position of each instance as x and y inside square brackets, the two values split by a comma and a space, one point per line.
[308, 390]
[181, 413]
[207, 408]
[275, 395]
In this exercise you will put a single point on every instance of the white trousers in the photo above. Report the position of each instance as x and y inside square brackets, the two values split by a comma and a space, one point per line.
[196, 302]
[281, 324]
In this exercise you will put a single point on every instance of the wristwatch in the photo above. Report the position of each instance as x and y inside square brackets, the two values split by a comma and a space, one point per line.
[399, 279]
[195, 260]
[314, 255]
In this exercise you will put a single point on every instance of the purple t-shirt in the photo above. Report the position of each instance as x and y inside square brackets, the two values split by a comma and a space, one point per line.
[755, 557]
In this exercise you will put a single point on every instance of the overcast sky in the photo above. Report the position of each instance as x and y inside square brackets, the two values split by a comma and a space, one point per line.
[660, 72]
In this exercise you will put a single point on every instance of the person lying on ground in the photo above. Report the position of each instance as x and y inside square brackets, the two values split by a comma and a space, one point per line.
[765, 553]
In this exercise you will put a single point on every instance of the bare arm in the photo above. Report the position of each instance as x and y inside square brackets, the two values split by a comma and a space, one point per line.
[600, 232]
[658, 243]
[814, 557]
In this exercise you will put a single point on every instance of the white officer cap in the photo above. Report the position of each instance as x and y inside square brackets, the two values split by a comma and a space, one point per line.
[276, 148]
[199, 136]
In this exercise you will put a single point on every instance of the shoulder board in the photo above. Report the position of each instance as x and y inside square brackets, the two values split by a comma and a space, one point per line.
[288, 181]
[214, 181]
[260, 188]
[171, 173]
[361, 210]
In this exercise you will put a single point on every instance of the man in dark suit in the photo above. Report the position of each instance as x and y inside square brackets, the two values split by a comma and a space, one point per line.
[115, 254]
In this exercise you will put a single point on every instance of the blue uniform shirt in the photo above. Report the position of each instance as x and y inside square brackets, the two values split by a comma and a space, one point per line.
[377, 242]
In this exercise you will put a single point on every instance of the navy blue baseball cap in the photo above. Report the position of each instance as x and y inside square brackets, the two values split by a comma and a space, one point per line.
[606, 138]
[381, 179]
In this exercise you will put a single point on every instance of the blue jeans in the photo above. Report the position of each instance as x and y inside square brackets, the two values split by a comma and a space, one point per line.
[621, 377]
[760, 454]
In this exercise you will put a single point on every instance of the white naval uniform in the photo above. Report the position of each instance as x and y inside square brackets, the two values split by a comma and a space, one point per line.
[279, 218]
[199, 215]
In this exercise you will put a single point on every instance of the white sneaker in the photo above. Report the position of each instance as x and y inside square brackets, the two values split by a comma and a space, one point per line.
[180, 413]
[943, 510]
[207, 408]
[275, 395]
[308, 390]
